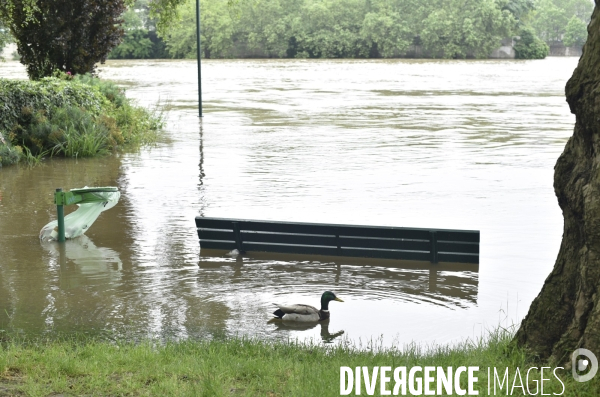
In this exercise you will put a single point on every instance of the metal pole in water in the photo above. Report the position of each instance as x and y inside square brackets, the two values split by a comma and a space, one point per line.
[198, 55]
[60, 212]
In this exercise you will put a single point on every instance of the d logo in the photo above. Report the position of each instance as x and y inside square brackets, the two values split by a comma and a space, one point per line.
[581, 360]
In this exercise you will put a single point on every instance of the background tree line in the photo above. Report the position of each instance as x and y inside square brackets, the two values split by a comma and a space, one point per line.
[347, 28]
[356, 28]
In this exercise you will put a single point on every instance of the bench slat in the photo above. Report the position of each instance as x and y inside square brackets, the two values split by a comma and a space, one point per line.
[292, 227]
[214, 223]
[211, 234]
[356, 242]
[454, 247]
[280, 238]
[460, 258]
[291, 249]
[386, 254]
[466, 236]
[217, 245]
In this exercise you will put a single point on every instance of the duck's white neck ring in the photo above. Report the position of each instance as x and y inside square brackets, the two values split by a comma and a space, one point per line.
[326, 311]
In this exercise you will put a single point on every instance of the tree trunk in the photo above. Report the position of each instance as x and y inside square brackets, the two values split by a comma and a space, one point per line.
[566, 313]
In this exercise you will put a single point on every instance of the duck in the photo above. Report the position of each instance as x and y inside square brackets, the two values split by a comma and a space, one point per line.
[307, 313]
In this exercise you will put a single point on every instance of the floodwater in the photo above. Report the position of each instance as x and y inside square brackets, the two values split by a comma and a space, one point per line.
[411, 143]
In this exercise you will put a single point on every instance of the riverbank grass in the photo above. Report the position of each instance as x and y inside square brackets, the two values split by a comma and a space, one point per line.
[242, 367]
[69, 116]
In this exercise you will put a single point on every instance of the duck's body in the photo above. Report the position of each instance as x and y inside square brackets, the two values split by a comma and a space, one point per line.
[306, 313]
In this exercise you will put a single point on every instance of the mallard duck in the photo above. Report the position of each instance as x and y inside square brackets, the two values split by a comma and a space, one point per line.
[307, 313]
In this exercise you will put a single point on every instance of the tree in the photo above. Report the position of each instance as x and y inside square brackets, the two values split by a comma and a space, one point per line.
[140, 40]
[268, 26]
[550, 20]
[462, 28]
[166, 12]
[66, 35]
[216, 32]
[520, 9]
[330, 29]
[576, 32]
[386, 33]
[551, 17]
[566, 313]
[529, 46]
[135, 45]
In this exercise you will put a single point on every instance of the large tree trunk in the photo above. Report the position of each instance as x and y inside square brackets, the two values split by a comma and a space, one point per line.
[566, 313]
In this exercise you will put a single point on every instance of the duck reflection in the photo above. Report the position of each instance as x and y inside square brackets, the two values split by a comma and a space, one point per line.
[326, 335]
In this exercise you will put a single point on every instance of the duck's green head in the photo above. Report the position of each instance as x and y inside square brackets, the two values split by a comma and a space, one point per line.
[327, 297]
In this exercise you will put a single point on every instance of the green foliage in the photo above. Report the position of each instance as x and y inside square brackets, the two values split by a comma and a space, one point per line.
[166, 11]
[45, 95]
[264, 26]
[70, 131]
[386, 34]
[344, 28]
[63, 35]
[140, 40]
[136, 45]
[107, 89]
[575, 33]
[529, 46]
[466, 28]
[66, 116]
[331, 30]
[216, 31]
[9, 154]
[552, 17]
[518, 8]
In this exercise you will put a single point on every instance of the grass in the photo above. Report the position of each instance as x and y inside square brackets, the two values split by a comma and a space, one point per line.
[240, 367]
[31, 159]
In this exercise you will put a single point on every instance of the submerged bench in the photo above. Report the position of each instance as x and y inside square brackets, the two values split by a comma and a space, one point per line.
[433, 245]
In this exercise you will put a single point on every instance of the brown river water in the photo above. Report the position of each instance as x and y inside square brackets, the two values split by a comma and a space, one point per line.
[412, 143]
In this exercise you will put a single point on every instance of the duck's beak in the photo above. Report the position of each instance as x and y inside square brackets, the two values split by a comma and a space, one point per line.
[338, 299]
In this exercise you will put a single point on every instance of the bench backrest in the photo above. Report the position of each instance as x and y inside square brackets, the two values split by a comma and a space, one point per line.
[434, 245]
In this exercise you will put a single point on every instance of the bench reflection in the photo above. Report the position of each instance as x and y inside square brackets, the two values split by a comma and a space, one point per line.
[452, 285]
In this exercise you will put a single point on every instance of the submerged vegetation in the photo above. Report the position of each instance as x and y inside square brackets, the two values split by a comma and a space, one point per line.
[234, 366]
[68, 116]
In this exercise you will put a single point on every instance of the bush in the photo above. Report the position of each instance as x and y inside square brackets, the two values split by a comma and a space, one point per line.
[65, 116]
[9, 154]
[108, 89]
[46, 94]
[529, 46]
